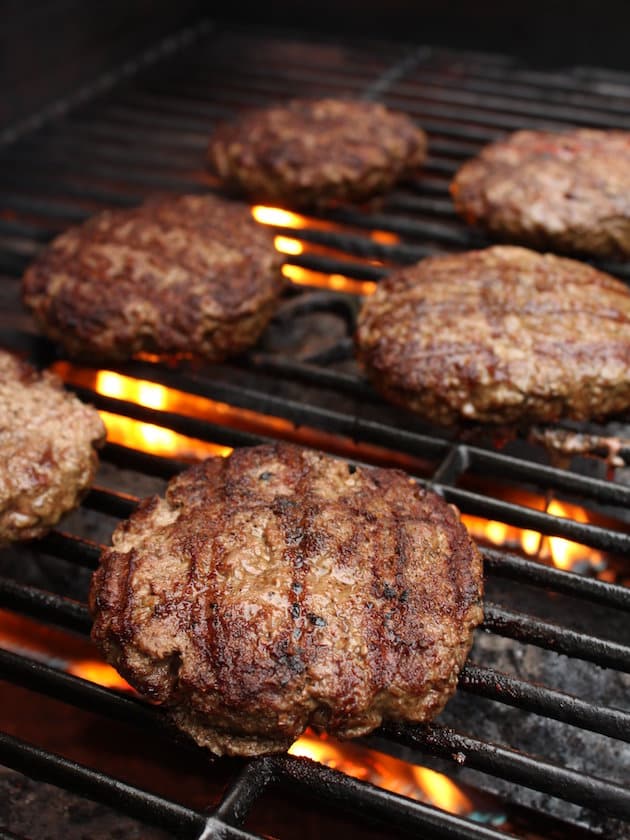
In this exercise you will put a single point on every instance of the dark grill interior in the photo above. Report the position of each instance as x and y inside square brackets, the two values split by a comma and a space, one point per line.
[118, 141]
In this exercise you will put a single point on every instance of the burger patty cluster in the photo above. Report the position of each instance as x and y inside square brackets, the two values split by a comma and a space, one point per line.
[281, 588]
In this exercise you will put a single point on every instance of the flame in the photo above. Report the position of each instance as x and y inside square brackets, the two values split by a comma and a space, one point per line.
[99, 672]
[43, 643]
[339, 282]
[386, 772]
[155, 439]
[286, 245]
[277, 217]
[385, 237]
[147, 437]
[564, 554]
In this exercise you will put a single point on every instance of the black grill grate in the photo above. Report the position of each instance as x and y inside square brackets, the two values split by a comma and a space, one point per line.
[149, 133]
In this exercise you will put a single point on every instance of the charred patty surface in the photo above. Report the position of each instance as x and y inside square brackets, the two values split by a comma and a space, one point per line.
[48, 442]
[315, 152]
[185, 275]
[280, 588]
[501, 335]
[568, 191]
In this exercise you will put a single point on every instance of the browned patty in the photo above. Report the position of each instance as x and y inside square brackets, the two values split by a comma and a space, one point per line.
[317, 152]
[569, 192]
[501, 335]
[280, 588]
[48, 441]
[184, 275]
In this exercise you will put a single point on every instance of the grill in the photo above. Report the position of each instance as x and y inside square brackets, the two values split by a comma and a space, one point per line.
[144, 129]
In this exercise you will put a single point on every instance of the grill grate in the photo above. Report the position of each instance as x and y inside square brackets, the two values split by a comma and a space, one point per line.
[149, 133]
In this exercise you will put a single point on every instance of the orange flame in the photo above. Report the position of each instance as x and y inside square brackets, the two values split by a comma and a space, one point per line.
[100, 673]
[286, 245]
[384, 771]
[41, 642]
[149, 438]
[277, 217]
[564, 554]
[338, 282]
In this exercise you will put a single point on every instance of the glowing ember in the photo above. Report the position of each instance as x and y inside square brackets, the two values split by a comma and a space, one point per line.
[385, 772]
[305, 277]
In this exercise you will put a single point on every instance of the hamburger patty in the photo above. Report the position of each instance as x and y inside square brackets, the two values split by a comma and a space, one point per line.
[280, 588]
[501, 335]
[315, 152]
[48, 441]
[569, 192]
[185, 275]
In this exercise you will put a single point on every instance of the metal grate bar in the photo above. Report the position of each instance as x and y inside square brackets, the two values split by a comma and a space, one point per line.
[71, 548]
[138, 803]
[85, 695]
[513, 92]
[244, 791]
[143, 462]
[109, 502]
[557, 84]
[546, 523]
[494, 685]
[570, 785]
[532, 572]
[189, 426]
[482, 461]
[55, 183]
[490, 104]
[40, 604]
[312, 374]
[533, 631]
[365, 800]
[265, 403]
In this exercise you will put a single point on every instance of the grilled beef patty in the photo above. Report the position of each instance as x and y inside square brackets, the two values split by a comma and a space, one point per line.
[48, 441]
[502, 335]
[185, 275]
[281, 588]
[311, 153]
[569, 192]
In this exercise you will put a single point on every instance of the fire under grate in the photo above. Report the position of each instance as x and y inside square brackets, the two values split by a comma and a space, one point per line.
[148, 133]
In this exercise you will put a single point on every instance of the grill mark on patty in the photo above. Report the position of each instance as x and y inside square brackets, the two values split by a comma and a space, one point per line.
[291, 520]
